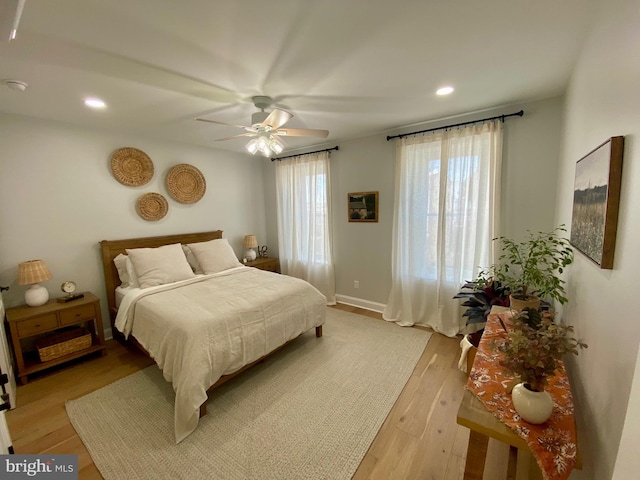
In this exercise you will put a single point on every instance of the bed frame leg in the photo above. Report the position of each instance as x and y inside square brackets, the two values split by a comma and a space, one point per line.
[203, 410]
[319, 331]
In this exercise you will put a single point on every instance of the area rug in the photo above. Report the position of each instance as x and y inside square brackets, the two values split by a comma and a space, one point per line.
[309, 412]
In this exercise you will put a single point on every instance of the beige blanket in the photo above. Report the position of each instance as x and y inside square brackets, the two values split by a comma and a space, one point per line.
[200, 329]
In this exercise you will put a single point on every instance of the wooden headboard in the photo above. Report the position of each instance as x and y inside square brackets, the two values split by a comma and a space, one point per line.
[112, 248]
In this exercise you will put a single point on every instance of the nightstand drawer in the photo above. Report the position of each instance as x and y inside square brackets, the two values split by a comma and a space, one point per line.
[75, 315]
[269, 264]
[34, 326]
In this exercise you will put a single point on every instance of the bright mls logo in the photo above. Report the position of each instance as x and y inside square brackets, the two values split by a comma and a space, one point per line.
[51, 467]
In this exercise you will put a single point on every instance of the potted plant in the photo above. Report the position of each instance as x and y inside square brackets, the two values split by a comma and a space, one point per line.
[532, 350]
[480, 294]
[531, 268]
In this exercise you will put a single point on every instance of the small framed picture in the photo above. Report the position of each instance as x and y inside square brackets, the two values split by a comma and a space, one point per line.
[363, 206]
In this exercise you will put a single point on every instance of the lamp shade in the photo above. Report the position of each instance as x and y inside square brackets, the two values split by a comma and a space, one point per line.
[33, 271]
[250, 241]
[249, 244]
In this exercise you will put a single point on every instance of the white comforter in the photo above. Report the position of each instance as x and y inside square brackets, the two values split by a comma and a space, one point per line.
[200, 329]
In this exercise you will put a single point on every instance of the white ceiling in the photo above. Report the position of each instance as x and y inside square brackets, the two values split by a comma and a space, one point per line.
[353, 67]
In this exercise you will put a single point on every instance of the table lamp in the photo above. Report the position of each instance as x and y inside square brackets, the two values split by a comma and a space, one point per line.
[32, 273]
[249, 244]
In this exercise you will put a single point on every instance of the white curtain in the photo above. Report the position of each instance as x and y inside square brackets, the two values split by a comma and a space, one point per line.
[304, 229]
[446, 213]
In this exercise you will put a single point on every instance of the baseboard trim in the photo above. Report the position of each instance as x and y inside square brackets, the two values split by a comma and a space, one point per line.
[361, 303]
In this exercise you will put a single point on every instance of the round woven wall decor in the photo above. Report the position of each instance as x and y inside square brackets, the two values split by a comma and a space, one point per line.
[152, 206]
[131, 167]
[185, 183]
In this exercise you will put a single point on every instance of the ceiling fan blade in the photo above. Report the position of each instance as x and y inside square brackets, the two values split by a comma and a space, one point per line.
[277, 118]
[302, 132]
[223, 123]
[235, 136]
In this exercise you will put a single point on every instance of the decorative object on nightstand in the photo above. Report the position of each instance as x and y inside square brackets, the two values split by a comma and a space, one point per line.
[249, 244]
[69, 287]
[262, 251]
[74, 330]
[32, 272]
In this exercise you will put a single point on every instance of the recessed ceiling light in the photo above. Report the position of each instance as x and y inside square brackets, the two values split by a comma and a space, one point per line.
[16, 85]
[94, 103]
[444, 91]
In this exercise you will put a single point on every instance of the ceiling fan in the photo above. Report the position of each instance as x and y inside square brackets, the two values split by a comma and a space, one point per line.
[266, 130]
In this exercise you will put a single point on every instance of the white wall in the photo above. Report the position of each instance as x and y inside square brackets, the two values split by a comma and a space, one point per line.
[58, 199]
[363, 250]
[628, 461]
[603, 100]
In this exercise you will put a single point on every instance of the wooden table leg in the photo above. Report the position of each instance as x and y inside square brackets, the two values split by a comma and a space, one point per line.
[476, 456]
[512, 466]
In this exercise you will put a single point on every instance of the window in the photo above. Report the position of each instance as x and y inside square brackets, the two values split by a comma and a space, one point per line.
[304, 234]
[444, 220]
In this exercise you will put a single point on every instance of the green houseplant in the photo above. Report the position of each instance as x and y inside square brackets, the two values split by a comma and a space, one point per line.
[532, 350]
[535, 344]
[480, 295]
[531, 268]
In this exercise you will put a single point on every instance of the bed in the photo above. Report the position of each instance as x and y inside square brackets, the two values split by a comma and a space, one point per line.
[205, 322]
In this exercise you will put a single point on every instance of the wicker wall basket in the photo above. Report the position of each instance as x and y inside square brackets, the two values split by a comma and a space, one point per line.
[152, 206]
[63, 343]
[186, 183]
[131, 167]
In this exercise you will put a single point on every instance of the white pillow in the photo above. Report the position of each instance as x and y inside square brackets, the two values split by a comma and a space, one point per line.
[121, 265]
[191, 258]
[157, 266]
[133, 278]
[215, 255]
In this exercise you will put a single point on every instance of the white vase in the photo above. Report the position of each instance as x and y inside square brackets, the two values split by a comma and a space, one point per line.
[533, 407]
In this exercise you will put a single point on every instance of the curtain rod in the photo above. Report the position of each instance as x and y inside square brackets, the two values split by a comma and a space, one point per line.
[308, 153]
[501, 117]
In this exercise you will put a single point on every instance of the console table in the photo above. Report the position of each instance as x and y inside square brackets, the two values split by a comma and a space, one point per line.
[483, 424]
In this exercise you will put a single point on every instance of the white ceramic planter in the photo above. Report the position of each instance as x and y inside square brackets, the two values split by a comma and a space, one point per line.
[533, 407]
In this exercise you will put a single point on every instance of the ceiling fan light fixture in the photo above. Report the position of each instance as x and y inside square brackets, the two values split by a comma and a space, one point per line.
[276, 146]
[252, 146]
[263, 142]
[265, 131]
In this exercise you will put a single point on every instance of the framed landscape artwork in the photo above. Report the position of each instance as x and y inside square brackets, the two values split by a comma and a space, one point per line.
[363, 206]
[596, 196]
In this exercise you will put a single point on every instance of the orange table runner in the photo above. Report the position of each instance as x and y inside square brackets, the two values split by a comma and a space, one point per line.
[553, 443]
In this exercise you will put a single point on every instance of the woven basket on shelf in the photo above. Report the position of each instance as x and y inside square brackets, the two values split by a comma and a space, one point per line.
[64, 342]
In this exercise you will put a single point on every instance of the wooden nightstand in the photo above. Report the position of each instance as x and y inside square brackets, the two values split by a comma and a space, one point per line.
[26, 323]
[265, 263]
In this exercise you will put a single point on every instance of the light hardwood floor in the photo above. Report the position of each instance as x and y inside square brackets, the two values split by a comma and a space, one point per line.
[419, 439]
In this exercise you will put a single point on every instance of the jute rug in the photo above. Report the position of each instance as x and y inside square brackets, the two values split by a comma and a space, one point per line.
[309, 412]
